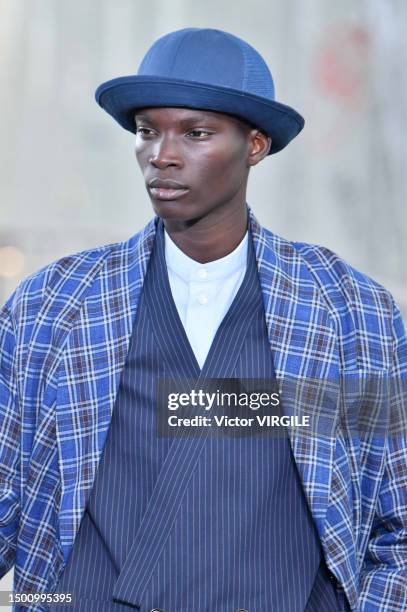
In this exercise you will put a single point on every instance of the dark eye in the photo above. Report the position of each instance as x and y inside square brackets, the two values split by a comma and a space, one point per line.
[199, 133]
[144, 131]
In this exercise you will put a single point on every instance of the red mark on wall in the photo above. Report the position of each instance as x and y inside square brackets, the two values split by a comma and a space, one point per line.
[341, 65]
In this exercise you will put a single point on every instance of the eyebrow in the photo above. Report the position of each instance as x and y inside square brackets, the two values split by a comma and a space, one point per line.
[189, 120]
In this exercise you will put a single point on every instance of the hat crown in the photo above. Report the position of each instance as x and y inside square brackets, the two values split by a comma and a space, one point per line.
[211, 57]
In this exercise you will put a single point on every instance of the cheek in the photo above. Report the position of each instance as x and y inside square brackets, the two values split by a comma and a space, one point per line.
[142, 153]
[142, 162]
[225, 169]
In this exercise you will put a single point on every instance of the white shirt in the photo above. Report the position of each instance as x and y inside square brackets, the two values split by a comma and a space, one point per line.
[203, 293]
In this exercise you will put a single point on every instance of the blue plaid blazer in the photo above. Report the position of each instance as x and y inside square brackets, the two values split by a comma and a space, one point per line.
[64, 337]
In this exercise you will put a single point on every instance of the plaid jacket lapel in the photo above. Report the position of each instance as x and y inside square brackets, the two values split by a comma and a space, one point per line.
[305, 344]
[89, 373]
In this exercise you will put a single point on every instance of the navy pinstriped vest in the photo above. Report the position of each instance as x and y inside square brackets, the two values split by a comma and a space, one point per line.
[242, 536]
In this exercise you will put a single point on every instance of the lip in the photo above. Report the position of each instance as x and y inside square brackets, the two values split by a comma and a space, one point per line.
[167, 189]
[160, 193]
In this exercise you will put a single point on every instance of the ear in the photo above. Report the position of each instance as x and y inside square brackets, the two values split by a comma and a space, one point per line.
[259, 146]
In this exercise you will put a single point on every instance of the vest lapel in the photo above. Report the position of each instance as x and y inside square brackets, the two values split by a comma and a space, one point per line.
[167, 325]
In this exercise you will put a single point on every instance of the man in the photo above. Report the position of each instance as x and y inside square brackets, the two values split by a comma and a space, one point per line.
[93, 502]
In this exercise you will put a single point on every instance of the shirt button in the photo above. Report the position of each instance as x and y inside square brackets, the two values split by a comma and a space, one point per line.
[157, 610]
[202, 273]
[202, 299]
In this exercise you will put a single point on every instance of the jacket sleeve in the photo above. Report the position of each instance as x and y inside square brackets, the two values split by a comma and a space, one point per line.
[384, 571]
[9, 444]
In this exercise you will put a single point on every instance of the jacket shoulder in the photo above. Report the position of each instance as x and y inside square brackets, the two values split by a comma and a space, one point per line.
[365, 314]
[61, 282]
[341, 283]
[63, 273]
[49, 298]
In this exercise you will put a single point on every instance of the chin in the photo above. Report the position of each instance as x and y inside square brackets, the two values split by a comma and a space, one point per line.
[176, 210]
[169, 209]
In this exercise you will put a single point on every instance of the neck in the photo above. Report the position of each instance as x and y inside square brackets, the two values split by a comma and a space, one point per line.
[213, 236]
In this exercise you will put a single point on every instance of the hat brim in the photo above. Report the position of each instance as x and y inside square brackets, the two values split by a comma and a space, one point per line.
[120, 98]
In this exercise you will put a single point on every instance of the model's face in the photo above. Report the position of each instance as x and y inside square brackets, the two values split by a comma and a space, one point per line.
[194, 161]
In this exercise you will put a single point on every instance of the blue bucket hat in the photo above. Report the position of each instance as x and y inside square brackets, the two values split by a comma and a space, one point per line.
[207, 69]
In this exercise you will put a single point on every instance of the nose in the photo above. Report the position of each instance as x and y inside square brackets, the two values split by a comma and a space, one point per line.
[165, 153]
